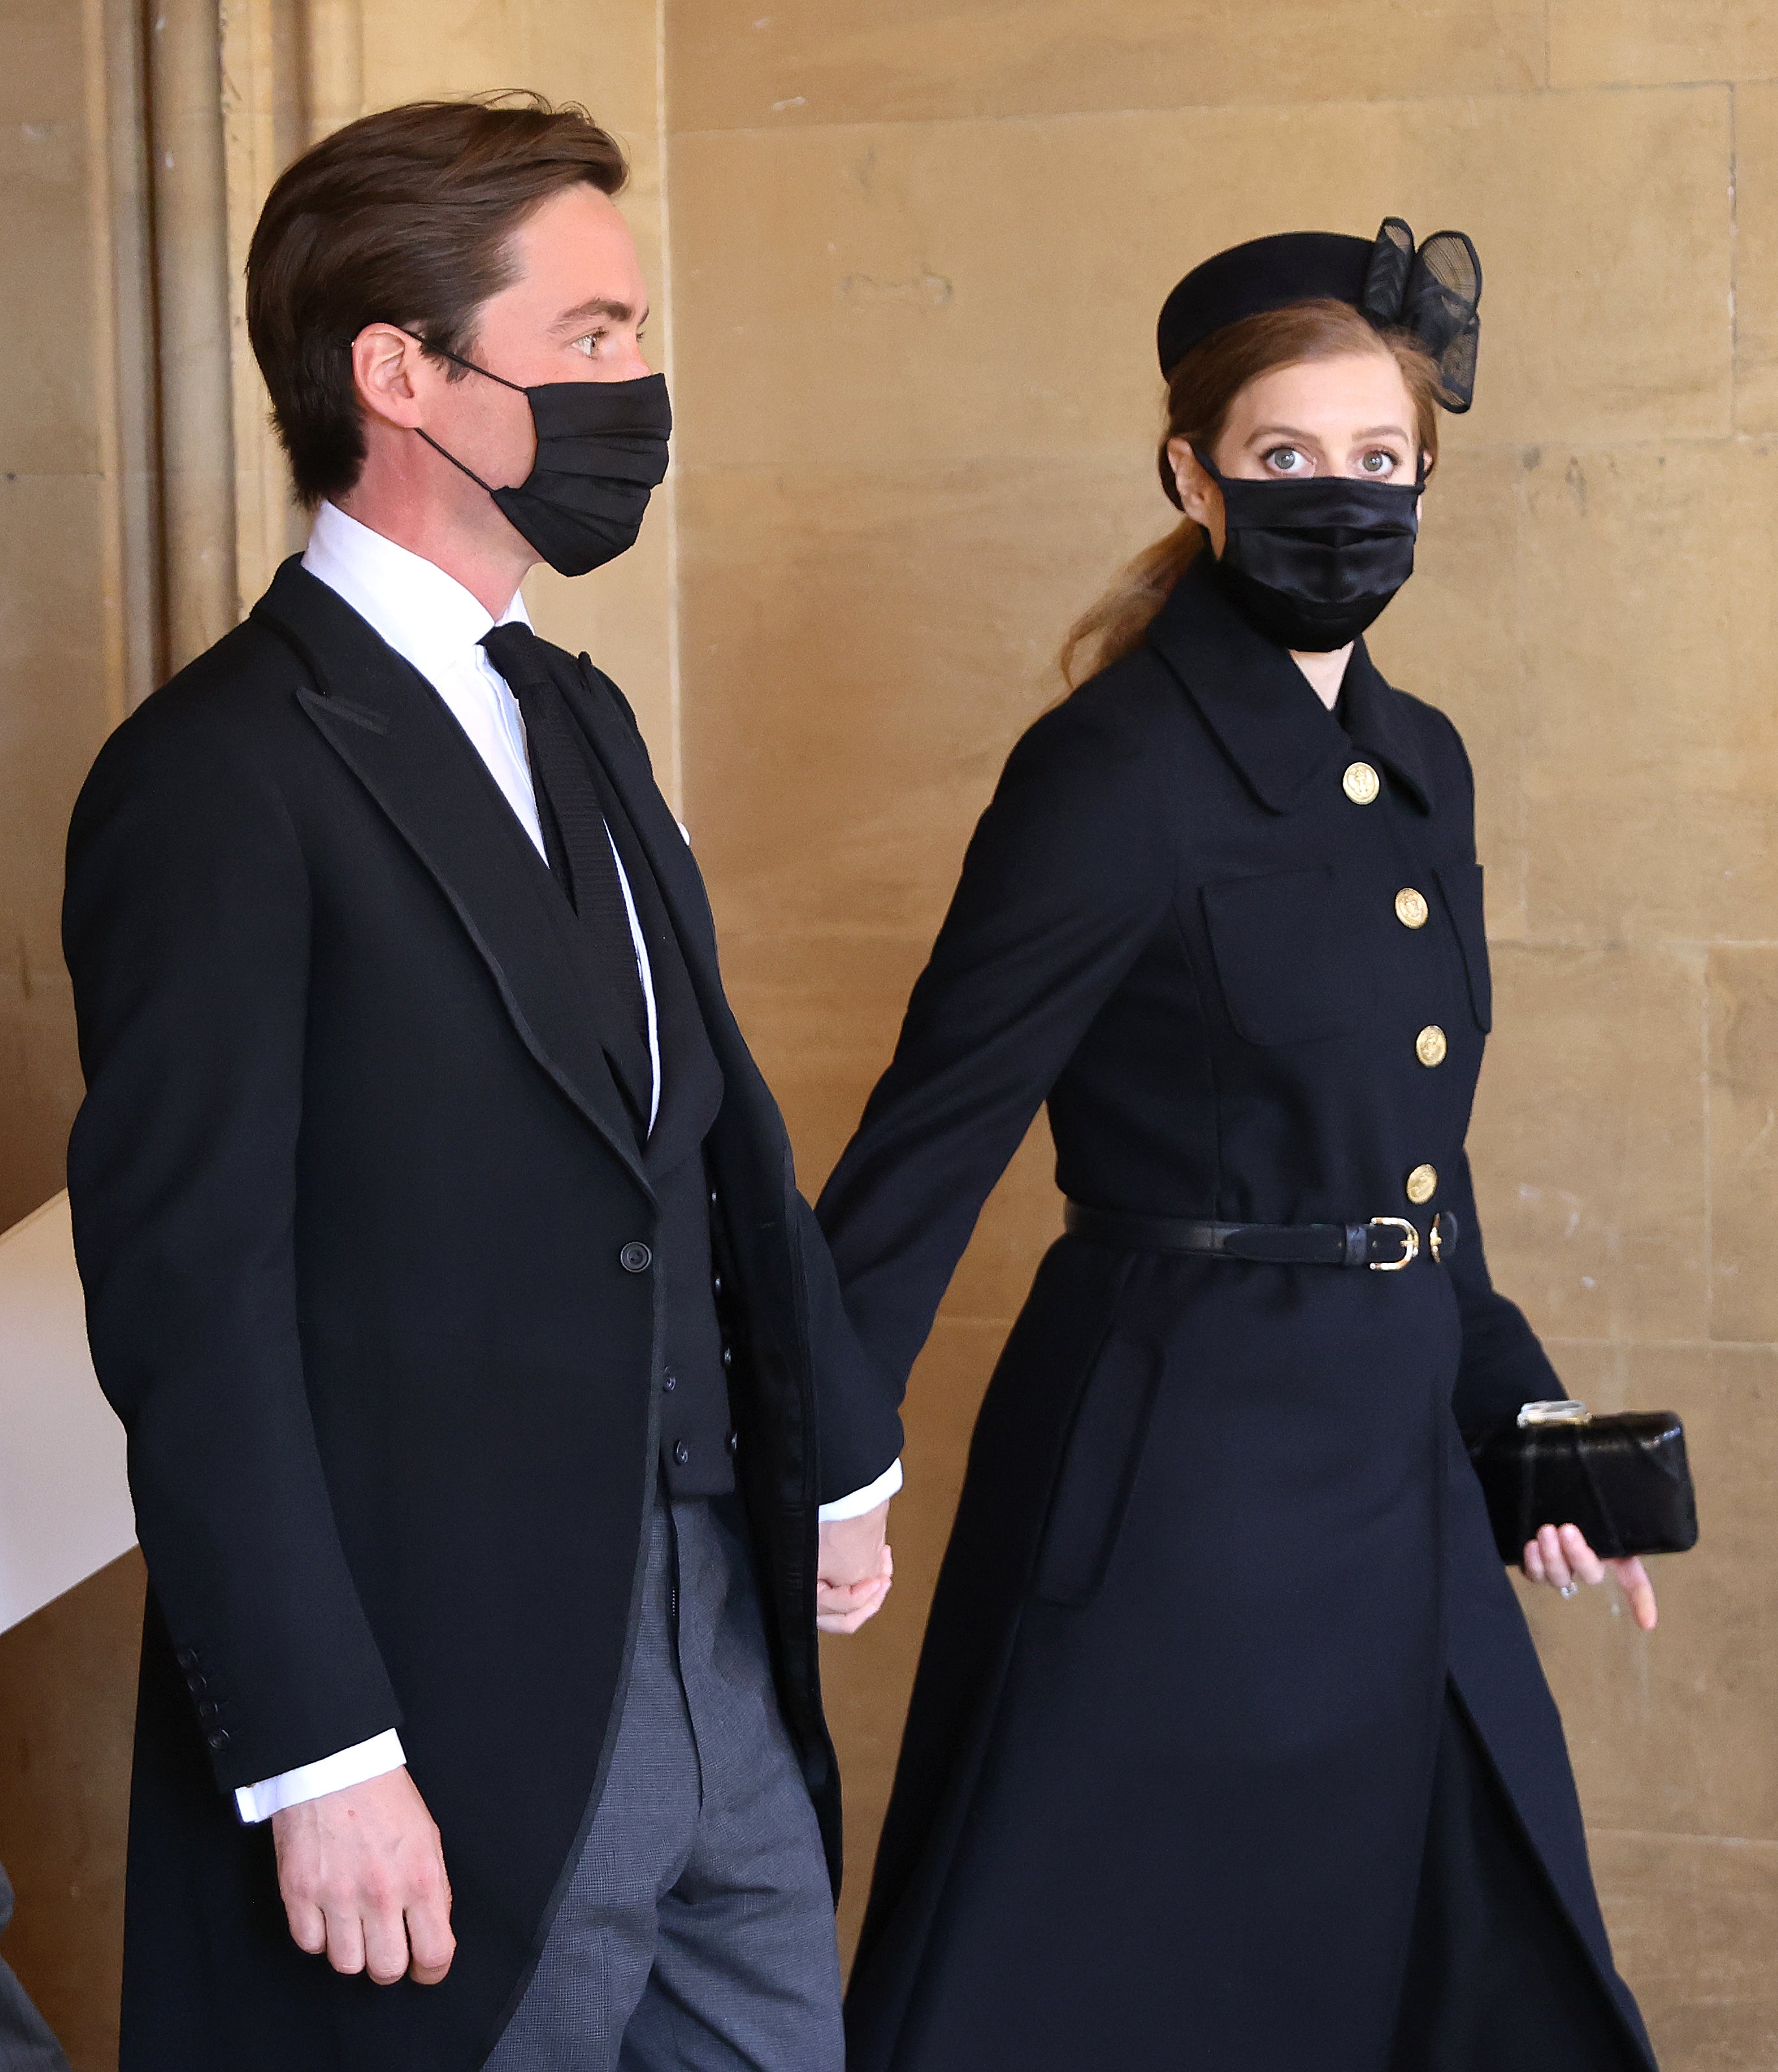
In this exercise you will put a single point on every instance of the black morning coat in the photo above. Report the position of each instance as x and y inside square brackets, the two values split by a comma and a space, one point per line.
[1164, 1787]
[353, 1189]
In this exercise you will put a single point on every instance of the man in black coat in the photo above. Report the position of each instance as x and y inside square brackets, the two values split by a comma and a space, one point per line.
[484, 1373]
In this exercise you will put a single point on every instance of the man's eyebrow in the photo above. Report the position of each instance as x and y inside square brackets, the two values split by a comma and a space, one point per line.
[600, 305]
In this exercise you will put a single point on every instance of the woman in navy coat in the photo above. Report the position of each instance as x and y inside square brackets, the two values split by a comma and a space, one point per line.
[1230, 1750]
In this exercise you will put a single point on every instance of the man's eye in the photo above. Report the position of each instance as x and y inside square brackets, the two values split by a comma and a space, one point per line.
[588, 344]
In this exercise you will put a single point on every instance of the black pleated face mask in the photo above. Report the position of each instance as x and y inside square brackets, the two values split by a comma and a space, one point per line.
[1310, 564]
[601, 449]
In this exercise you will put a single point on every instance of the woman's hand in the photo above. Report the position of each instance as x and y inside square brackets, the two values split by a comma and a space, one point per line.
[1560, 1556]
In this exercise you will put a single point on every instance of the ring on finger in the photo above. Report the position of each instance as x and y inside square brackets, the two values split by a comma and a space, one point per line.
[1569, 1589]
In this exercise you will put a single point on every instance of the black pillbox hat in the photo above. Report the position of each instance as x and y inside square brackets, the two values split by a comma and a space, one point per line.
[1265, 274]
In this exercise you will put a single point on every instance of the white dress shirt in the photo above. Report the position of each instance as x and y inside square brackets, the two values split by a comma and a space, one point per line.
[430, 620]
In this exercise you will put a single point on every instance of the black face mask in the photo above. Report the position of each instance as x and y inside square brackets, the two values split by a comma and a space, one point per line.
[601, 447]
[1310, 564]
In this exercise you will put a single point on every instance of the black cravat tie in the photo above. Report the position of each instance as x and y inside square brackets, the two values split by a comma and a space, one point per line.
[578, 843]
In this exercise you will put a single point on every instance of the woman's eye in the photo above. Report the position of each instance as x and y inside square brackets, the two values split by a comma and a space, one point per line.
[1286, 460]
[1379, 463]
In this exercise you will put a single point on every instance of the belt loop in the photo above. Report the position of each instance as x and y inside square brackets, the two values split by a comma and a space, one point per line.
[1358, 1244]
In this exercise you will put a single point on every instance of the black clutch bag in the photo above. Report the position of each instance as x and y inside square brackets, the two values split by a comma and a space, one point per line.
[1624, 1480]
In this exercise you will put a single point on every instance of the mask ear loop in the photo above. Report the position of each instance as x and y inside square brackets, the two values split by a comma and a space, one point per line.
[469, 367]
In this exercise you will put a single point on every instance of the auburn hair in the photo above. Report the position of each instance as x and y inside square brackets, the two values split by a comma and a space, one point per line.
[404, 217]
[1201, 393]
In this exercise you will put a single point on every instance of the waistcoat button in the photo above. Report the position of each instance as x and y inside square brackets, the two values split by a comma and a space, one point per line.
[636, 1258]
[1430, 1046]
[1361, 783]
[218, 1739]
[669, 1382]
[681, 1452]
[1411, 907]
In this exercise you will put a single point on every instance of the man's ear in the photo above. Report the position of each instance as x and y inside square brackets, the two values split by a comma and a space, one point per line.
[389, 370]
[1198, 496]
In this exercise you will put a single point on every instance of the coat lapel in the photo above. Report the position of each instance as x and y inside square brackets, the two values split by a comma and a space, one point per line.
[1260, 705]
[395, 733]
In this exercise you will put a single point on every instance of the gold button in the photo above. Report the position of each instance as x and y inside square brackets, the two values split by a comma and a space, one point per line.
[1422, 1184]
[1411, 907]
[1361, 784]
[1430, 1046]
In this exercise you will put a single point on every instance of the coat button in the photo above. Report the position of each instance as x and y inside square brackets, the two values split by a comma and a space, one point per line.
[196, 1682]
[715, 1284]
[669, 1382]
[1361, 783]
[206, 1710]
[186, 1658]
[681, 1452]
[1430, 1046]
[728, 1358]
[734, 1442]
[218, 1738]
[1411, 907]
[635, 1258]
[1422, 1184]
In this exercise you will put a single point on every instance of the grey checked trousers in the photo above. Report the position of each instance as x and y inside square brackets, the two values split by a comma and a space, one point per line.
[696, 1933]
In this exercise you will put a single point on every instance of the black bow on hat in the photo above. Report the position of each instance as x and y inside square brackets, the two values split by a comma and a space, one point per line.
[1432, 293]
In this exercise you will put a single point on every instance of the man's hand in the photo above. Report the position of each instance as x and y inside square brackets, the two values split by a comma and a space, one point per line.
[1561, 1557]
[363, 1876]
[853, 1572]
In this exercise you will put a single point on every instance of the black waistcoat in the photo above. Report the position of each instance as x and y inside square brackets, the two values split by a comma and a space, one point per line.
[696, 1430]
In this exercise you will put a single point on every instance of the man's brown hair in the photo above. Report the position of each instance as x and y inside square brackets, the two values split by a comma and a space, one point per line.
[406, 218]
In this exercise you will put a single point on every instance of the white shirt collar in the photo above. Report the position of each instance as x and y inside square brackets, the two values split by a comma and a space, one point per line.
[426, 616]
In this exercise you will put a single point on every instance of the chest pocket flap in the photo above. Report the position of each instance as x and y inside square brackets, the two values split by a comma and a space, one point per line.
[1461, 884]
[1287, 955]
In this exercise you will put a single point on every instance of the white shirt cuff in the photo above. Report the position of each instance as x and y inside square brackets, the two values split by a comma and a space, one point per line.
[867, 1498]
[375, 1758]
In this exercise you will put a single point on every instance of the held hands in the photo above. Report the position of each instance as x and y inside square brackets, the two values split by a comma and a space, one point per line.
[1560, 1556]
[853, 1572]
[363, 1876]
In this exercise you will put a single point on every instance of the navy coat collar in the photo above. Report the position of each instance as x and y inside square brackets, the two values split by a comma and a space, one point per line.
[1261, 707]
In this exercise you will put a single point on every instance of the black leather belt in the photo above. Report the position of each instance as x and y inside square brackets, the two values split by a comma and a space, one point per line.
[1385, 1244]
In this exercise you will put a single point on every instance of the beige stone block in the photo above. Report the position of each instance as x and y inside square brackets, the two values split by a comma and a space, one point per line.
[860, 650]
[1588, 1140]
[48, 422]
[1655, 42]
[1756, 255]
[42, 69]
[1743, 1141]
[731, 67]
[1650, 577]
[821, 1015]
[868, 1676]
[1693, 1923]
[1670, 1731]
[864, 295]
[600, 52]
[1454, 637]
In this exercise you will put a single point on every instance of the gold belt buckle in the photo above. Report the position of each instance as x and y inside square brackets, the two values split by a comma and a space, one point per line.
[1410, 1243]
